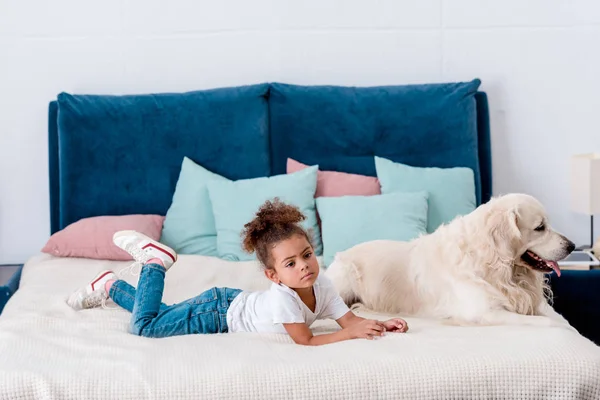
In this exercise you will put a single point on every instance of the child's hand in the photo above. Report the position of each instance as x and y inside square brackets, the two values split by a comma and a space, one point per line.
[395, 325]
[366, 329]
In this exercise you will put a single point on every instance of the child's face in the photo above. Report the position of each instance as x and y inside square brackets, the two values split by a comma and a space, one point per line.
[295, 264]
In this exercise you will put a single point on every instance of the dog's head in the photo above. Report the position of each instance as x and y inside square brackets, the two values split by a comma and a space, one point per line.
[520, 228]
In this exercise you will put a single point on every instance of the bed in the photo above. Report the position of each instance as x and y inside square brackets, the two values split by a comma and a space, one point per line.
[50, 351]
[97, 145]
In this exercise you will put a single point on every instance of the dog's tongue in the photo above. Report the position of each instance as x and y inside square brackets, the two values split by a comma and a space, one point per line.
[554, 266]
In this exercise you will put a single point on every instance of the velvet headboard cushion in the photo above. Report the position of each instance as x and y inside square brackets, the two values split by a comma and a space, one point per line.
[122, 154]
[118, 155]
[342, 128]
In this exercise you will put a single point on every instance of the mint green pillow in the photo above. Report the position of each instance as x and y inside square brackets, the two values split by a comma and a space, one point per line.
[451, 190]
[189, 226]
[350, 220]
[235, 203]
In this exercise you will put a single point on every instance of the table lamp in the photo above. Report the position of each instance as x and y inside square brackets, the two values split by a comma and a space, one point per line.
[585, 186]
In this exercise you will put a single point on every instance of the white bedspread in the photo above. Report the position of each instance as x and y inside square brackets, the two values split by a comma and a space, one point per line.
[49, 351]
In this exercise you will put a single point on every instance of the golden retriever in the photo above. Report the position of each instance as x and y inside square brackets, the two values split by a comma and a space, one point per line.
[484, 268]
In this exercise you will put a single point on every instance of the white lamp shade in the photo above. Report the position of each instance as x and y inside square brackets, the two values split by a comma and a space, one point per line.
[585, 183]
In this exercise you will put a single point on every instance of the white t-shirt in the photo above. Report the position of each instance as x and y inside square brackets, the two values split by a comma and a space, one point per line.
[266, 311]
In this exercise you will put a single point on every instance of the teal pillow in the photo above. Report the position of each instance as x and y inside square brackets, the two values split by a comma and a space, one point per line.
[235, 203]
[451, 190]
[189, 226]
[350, 220]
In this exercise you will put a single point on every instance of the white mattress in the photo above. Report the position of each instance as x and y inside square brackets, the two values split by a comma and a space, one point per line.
[49, 351]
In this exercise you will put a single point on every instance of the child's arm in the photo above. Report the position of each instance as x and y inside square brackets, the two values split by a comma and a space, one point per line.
[391, 325]
[349, 319]
[301, 333]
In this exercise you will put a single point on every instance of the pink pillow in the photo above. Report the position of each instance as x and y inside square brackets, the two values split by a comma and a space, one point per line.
[335, 184]
[92, 237]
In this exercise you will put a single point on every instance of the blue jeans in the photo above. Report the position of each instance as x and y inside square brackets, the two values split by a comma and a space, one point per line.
[206, 313]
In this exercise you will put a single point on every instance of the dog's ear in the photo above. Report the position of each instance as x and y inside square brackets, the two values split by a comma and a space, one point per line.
[512, 220]
[505, 225]
[503, 232]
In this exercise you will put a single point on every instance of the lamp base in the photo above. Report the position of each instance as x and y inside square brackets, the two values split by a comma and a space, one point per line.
[591, 231]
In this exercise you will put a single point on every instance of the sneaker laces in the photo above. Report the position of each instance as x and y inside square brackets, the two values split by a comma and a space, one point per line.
[140, 257]
[94, 300]
[138, 254]
[130, 269]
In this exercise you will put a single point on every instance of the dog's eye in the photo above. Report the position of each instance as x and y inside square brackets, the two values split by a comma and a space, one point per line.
[540, 228]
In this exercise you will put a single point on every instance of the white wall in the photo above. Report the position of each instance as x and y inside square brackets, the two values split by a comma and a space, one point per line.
[538, 60]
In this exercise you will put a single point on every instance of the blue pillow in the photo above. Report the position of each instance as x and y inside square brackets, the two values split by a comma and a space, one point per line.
[235, 203]
[189, 226]
[350, 220]
[451, 190]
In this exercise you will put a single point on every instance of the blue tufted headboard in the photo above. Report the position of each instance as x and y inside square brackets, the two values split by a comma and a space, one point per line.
[115, 155]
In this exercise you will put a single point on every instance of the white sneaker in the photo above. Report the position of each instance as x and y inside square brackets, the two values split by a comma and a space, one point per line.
[93, 294]
[142, 248]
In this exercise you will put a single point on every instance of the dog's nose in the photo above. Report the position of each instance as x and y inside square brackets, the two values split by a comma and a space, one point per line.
[570, 246]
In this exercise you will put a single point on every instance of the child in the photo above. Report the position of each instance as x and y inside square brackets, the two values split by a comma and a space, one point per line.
[298, 296]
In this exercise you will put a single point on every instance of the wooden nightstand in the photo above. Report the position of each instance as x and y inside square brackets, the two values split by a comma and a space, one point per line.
[10, 275]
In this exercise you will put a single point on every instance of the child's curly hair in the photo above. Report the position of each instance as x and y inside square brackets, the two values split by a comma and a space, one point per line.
[275, 221]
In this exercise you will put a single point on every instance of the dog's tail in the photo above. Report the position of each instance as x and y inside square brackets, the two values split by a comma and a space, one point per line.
[344, 278]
